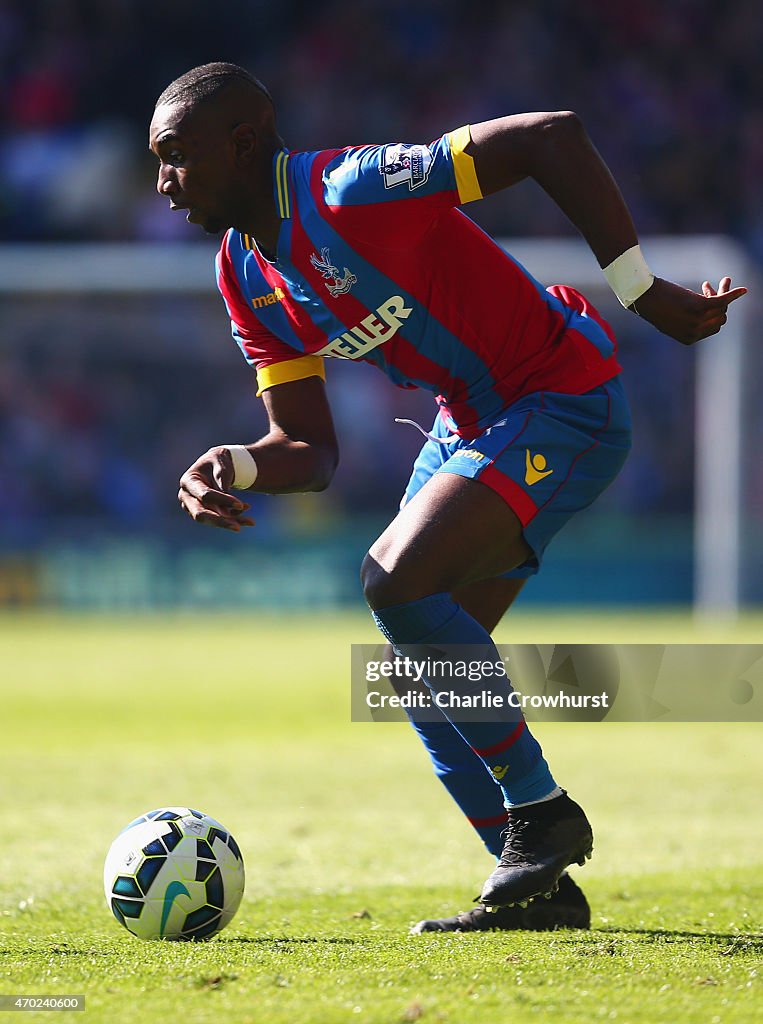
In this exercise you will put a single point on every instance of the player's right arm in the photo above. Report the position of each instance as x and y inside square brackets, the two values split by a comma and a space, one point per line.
[298, 453]
[477, 160]
[554, 149]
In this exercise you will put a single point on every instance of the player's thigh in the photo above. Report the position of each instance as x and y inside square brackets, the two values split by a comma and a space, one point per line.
[549, 458]
[454, 532]
[495, 503]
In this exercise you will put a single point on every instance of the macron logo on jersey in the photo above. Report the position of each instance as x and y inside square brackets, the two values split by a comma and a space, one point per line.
[277, 295]
[372, 330]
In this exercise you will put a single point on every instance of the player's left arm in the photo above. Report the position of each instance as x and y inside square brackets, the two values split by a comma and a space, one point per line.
[555, 150]
[299, 453]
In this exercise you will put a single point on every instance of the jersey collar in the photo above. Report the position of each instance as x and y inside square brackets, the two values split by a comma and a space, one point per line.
[281, 192]
[281, 195]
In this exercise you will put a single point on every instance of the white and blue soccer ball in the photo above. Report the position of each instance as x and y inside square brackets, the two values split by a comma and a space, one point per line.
[174, 873]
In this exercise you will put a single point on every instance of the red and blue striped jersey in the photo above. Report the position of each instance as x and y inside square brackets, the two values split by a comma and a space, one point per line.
[375, 262]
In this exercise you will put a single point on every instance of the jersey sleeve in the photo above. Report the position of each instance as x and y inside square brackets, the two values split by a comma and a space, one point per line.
[274, 360]
[441, 174]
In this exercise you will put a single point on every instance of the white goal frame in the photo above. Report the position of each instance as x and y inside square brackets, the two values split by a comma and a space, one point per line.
[125, 268]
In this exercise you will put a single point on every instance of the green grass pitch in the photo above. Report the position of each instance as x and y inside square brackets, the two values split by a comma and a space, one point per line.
[348, 838]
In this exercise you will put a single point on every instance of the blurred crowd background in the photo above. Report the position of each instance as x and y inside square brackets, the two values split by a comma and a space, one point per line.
[99, 415]
[672, 94]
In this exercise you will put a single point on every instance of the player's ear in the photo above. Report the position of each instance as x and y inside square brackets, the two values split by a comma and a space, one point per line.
[244, 140]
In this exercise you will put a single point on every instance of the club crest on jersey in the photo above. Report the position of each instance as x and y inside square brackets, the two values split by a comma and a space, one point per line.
[336, 282]
[405, 163]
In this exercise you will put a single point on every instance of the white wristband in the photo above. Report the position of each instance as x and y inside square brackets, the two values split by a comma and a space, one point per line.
[628, 276]
[244, 466]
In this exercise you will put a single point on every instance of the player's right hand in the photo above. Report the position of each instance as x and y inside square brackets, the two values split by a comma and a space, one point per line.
[685, 315]
[204, 492]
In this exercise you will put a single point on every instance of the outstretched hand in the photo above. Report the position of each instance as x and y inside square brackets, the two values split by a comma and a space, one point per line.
[204, 492]
[685, 315]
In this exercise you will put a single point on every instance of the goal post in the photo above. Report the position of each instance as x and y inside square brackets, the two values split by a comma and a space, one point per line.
[31, 270]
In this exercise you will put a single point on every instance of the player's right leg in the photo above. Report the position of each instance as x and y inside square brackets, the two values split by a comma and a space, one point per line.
[565, 908]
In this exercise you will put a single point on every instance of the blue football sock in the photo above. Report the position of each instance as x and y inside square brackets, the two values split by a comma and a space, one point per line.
[437, 627]
[463, 774]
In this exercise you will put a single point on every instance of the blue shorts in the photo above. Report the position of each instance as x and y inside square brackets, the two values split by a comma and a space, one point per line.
[548, 456]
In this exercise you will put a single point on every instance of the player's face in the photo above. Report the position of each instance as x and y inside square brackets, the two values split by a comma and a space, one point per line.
[196, 168]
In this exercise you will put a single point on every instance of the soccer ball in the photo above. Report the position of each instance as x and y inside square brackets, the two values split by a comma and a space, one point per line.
[174, 873]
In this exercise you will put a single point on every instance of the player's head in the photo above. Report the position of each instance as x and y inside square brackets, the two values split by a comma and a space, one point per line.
[214, 133]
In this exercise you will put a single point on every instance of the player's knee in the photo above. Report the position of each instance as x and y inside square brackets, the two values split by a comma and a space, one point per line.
[382, 588]
[372, 580]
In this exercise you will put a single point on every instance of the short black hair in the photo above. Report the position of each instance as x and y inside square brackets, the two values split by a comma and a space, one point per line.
[207, 82]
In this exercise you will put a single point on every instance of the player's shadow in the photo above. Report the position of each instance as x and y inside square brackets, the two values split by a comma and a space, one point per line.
[734, 942]
[286, 940]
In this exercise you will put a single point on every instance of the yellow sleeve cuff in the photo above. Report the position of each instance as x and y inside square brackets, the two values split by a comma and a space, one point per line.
[289, 370]
[463, 164]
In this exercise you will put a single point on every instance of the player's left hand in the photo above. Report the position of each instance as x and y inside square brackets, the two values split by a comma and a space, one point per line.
[205, 492]
[683, 314]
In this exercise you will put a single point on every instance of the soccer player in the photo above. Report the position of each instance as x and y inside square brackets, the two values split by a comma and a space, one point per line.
[361, 253]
